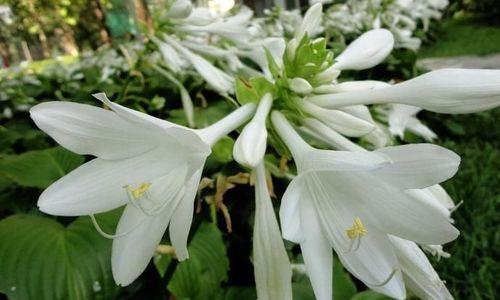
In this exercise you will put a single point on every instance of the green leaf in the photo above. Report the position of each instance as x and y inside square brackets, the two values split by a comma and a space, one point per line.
[41, 259]
[251, 91]
[39, 168]
[222, 151]
[200, 276]
[343, 286]
[240, 293]
[273, 66]
[370, 295]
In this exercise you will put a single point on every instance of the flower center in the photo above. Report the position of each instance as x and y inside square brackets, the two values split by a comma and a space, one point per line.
[139, 191]
[357, 230]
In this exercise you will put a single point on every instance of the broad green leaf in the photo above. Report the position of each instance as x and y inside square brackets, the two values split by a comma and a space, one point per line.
[39, 168]
[200, 276]
[222, 151]
[40, 259]
[370, 295]
[343, 286]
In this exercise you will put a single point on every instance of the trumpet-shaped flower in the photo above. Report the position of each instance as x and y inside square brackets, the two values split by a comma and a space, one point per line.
[250, 146]
[451, 91]
[273, 273]
[352, 201]
[150, 165]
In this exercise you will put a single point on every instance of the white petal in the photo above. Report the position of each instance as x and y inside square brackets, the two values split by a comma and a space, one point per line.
[174, 135]
[183, 216]
[85, 129]
[418, 128]
[426, 196]
[316, 251]
[98, 185]
[418, 165]
[374, 263]
[312, 19]
[131, 252]
[342, 160]
[134, 116]
[273, 273]
[452, 91]
[290, 213]
[442, 196]
[420, 276]
[367, 51]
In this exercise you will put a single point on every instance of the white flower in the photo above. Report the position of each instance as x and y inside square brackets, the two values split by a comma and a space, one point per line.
[170, 56]
[233, 28]
[351, 201]
[419, 275]
[250, 146]
[273, 273]
[402, 117]
[367, 51]
[452, 91]
[343, 122]
[150, 165]
[216, 78]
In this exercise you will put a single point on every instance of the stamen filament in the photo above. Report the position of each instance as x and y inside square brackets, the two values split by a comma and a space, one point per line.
[111, 236]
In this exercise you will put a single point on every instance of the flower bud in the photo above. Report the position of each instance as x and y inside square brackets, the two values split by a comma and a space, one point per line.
[180, 9]
[250, 146]
[367, 51]
[300, 85]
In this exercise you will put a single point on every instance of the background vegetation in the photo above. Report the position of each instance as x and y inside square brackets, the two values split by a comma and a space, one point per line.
[64, 258]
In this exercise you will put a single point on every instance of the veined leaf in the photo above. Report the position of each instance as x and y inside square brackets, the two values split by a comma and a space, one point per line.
[39, 168]
[40, 259]
[200, 276]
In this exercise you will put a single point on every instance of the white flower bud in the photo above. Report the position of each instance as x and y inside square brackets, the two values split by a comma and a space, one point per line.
[250, 146]
[300, 85]
[180, 9]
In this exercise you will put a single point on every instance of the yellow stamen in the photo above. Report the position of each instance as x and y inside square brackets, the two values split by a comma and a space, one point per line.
[358, 229]
[139, 191]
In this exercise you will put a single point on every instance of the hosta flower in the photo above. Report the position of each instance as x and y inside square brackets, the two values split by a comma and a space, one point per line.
[151, 166]
[273, 273]
[352, 201]
[215, 77]
[403, 117]
[250, 146]
[452, 91]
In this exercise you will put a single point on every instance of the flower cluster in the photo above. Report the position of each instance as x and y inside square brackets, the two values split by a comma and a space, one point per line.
[374, 208]
[401, 17]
